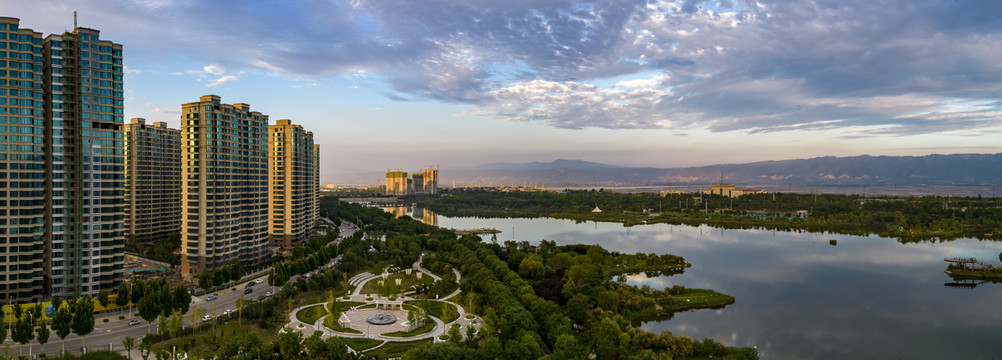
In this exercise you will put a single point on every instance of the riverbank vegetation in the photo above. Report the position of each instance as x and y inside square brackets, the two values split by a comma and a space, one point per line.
[904, 218]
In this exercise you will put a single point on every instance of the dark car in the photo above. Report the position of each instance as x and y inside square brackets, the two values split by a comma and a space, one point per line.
[248, 291]
[250, 284]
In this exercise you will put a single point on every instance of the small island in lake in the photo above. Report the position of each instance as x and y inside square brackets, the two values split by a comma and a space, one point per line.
[972, 268]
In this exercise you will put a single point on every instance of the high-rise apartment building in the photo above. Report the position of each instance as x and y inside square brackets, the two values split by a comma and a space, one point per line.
[224, 215]
[316, 178]
[84, 115]
[23, 255]
[293, 194]
[396, 183]
[61, 163]
[152, 180]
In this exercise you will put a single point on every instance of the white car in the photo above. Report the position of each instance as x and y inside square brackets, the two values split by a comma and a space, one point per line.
[268, 294]
[211, 297]
[258, 281]
[207, 318]
[228, 311]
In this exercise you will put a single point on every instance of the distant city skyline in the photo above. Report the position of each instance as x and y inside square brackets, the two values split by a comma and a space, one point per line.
[662, 84]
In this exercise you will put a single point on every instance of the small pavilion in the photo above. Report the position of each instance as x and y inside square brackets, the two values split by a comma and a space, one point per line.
[390, 304]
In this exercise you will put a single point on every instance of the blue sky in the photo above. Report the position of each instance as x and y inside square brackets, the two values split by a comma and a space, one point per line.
[405, 84]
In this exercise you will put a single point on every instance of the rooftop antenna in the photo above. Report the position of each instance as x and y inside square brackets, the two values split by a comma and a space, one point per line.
[74, 19]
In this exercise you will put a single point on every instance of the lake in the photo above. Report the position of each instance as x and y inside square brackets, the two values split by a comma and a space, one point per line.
[798, 297]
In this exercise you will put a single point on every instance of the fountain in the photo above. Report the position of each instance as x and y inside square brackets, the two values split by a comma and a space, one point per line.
[381, 319]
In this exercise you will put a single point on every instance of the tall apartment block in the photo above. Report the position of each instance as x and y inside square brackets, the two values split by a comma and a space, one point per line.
[316, 178]
[429, 180]
[224, 215]
[152, 181]
[84, 115]
[396, 183]
[23, 251]
[424, 181]
[61, 163]
[292, 174]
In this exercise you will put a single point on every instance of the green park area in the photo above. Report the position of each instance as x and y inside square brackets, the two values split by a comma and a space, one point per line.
[529, 297]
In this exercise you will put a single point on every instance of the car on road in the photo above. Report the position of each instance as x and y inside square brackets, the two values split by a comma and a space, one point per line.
[207, 318]
[268, 294]
[228, 311]
[248, 291]
[250, 284]
[258, 281]
[135, 322]
[211, 297]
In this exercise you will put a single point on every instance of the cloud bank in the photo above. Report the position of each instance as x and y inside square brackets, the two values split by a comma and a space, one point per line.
[868, 67]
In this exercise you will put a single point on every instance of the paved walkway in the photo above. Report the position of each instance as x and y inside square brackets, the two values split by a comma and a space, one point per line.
[358, 316]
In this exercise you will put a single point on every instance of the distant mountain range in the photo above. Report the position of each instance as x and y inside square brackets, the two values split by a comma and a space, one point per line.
[956, 169]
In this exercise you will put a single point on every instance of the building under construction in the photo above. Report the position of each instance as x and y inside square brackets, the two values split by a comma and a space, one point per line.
[424, 181]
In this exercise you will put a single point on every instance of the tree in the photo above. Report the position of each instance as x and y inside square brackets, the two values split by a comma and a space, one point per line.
[149, 309]
[128, 343]
[163, 324]
[193, 316]
[123, 295]
[145, 347]
[61, 323]
[240, 307]
[138, 290]
[22, 332]
[448, 311]
[102, 298]
[605, 339]
[43, 334]
[3, 327]
[36, 312]
[56, 302]
[83, 319]
[18, 310]
[577, 308]
[181, 298]
[290, 344]
[176, 322]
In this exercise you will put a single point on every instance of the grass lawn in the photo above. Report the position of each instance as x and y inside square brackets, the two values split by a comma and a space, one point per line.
[395, 349]
[311, 314]
[434, 308]
[361, 344]
[406, 282]
[421, 330]
[340, 307]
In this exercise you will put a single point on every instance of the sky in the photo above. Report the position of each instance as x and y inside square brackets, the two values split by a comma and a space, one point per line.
[408, 84]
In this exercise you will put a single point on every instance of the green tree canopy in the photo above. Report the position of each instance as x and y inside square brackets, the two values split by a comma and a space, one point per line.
[83, 318]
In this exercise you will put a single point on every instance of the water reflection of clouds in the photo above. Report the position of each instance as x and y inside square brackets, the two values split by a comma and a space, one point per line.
[799, 297]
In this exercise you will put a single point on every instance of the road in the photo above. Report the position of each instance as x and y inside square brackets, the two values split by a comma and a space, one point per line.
[114, 331]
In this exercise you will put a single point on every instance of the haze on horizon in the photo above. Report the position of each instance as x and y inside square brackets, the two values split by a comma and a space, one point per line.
[391, 84]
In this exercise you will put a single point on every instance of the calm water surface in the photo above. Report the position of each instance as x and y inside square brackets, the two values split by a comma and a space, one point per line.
[798, 297]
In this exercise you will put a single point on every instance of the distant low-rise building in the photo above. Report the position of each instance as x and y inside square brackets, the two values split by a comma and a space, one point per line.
[729, 190]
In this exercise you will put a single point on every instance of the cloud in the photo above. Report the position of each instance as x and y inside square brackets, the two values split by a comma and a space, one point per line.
[872, 67]
[213, 69]
[221, 81]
